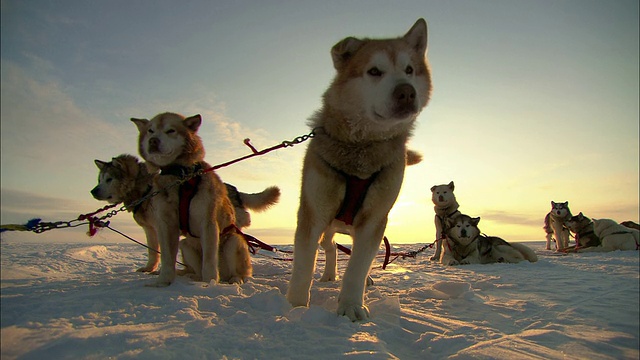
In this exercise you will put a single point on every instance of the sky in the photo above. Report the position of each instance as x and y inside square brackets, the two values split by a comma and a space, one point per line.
[533, 101]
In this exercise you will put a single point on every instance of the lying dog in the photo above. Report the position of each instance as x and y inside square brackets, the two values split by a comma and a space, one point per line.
[359, 150]
[465, 245]
[169, 143]
[445, 206]
[493, 249]
[582, 227]
[460, 245]
[554, 225]
[613, 237]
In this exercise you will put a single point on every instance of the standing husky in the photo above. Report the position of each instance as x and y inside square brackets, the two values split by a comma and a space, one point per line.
[169, 142]
[554, 225]
[354, 166]
[124, 179]
[446, 207]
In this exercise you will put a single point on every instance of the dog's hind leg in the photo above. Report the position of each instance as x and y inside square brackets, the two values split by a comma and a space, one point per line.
[331, 256]
[210, 240]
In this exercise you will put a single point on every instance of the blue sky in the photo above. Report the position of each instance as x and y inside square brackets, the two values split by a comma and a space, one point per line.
[533, 101]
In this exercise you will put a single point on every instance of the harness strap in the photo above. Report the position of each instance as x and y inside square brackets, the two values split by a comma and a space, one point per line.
[354, 195]
[138, 206]
[187, 191]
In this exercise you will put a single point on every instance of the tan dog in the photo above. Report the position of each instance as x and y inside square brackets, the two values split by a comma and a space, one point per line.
[359, 150]
[169, 142]
[446, 207]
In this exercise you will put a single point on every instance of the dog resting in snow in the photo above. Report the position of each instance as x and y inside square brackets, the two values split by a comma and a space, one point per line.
[354, 165]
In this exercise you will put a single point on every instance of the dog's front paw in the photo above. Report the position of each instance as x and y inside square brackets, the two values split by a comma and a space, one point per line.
[434, 258]
[453, 262]
[355, 312]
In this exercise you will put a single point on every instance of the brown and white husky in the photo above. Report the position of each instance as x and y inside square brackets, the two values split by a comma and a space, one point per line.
[354, 166]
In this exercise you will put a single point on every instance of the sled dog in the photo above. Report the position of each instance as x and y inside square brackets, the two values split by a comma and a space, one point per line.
[613, 236]
[460, 245]
[169, 143]
[445, 206]
[582, 227]
[125, 179]
[359, 150]
[554, 225]
[329, 246]
[493, 249]
[191, 248]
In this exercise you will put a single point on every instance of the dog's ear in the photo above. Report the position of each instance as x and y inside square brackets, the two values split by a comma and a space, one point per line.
[141, 124]
[566, 203]
[448, 223]
[344, 50]
[130, 168]
[100, 164]
[475, 221]
[553, 203]
[417, 36]
[451, 186]
[193, 122]
[433, 188]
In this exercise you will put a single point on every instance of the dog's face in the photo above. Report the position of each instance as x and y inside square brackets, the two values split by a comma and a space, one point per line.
[169, 138]
[577, 223]
[442, 195]
[116, 178]
[383, 82]
[463, 229]
[560, 209]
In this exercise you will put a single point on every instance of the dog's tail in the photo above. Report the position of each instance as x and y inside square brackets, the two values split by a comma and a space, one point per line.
[526, 251]
[413, 157]
[261, 201]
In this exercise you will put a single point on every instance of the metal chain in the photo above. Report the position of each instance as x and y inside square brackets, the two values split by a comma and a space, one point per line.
[91, 219]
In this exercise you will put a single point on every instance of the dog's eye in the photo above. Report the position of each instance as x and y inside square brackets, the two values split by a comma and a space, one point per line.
[374, 71]
[408, 70]
[170, 131]
[150, 131]
[109, 180]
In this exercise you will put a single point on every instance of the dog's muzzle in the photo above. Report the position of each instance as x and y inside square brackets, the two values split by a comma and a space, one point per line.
[404, 99]
[154, 144]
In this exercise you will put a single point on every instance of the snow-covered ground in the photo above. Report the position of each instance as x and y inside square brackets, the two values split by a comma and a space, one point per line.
[74, 301]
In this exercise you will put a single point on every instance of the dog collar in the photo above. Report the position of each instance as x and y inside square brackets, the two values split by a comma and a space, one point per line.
[180, 171]
[137, 207]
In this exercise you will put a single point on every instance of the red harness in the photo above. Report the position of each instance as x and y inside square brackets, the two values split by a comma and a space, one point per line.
[187, 191]
[354, 195]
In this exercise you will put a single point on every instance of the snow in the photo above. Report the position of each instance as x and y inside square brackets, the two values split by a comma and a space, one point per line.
[74, 301]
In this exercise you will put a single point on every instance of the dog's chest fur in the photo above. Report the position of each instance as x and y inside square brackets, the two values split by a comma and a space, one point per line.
[361, 159]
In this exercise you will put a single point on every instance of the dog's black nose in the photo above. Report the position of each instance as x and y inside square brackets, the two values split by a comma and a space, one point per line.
[154, 143]
[94, 191]
[463, 233]
[404, 94]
